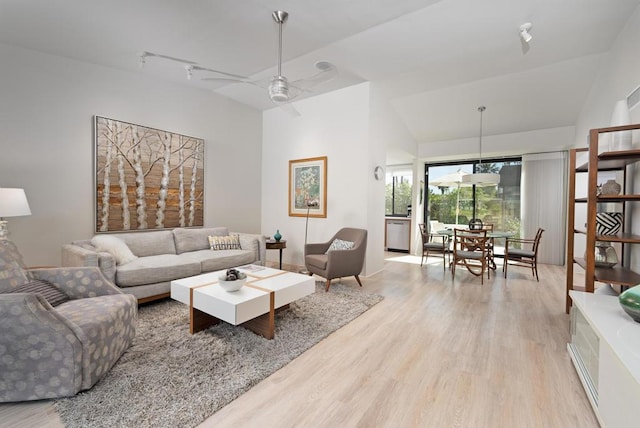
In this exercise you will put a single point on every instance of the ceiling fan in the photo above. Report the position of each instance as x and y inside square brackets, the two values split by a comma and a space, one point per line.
[280, 89]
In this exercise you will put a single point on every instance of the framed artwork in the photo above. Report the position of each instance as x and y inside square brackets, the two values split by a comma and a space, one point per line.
[308, 187]
[146, 178]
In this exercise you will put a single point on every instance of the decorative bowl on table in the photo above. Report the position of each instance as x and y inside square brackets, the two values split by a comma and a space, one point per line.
[232, 280]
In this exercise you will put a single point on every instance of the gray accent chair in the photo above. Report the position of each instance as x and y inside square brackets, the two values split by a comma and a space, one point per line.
[48, 352]
[338, 263]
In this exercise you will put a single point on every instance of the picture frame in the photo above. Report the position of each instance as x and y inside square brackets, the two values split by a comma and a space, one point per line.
[146, 178]
[308, 184]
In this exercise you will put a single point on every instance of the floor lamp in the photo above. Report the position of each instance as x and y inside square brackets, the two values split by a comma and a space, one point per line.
[310, 204]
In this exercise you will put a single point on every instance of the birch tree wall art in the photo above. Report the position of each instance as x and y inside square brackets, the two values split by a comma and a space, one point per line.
[147, 178]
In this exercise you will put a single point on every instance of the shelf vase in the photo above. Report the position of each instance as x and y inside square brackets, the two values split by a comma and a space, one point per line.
[620, 140]
[608, 223]
[630, 302]
[611, 187]
[605, 255]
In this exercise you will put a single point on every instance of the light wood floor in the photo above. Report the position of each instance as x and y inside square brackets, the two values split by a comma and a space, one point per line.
[434, 353]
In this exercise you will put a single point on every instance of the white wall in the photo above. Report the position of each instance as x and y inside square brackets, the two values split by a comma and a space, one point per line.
[388, 134]
[333, 125]
[46, 144]
[537, 141]
[352, 127]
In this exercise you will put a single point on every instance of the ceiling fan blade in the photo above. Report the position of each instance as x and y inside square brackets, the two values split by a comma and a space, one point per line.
[290, 109]
[227, 80]
[327, 72]
[224, 73]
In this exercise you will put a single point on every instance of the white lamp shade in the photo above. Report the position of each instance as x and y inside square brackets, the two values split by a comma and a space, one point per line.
[482, 179]
[13, 203]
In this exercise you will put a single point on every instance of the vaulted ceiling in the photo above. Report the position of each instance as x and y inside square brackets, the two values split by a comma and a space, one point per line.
[436, 60]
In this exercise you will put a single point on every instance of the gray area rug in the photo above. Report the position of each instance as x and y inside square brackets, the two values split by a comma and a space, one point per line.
[169, 378]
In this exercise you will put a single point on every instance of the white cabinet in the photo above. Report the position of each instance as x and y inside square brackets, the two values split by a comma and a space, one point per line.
[605, 350]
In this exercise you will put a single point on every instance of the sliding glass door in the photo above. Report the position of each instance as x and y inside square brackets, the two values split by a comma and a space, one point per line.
[452, 201]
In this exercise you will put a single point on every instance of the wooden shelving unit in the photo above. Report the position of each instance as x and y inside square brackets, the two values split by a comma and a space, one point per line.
[597, 162]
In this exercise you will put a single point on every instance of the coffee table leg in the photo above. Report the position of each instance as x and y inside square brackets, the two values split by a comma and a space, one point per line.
[200, 320]
[264, 325]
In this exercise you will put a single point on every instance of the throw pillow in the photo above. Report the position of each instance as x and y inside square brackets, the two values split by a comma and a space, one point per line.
[339, 244]
[49, 291]
[230, 242]
[114, 246]
[11, 276]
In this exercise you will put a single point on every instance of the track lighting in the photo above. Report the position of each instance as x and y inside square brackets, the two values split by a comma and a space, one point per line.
[189, 69]
[524, 32]
[143, 59]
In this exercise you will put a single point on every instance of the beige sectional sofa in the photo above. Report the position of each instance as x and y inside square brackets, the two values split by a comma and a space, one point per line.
[162, 256]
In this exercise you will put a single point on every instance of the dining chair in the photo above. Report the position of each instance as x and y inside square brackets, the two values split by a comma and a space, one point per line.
[432, 242]
[489, 227]
[522, 252]
[470, 250]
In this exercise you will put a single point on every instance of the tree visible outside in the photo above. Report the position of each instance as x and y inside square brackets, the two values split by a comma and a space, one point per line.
[499, 205]
[397, 202]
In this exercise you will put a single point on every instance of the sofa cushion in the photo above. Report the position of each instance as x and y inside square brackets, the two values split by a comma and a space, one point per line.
[195, 239]
[114, 246]
[50, 292]
[231, 242]
[317, 260]
[160, 268]
[150, 243]
[339, 244]
[221, 259]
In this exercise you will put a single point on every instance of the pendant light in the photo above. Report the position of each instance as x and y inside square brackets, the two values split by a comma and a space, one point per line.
[481, 178]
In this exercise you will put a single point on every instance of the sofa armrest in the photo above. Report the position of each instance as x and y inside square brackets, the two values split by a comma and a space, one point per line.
[38, 344]
[316, 248]
[74, 255]
[255, 242]
[77, 282]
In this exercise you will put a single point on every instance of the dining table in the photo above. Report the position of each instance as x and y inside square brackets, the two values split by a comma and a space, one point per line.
[491, 234]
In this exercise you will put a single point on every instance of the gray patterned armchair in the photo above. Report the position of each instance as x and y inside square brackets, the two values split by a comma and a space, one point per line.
[61, 329]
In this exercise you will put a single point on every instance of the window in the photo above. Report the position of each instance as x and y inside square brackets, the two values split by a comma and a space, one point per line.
[399, 187]
[453, 202]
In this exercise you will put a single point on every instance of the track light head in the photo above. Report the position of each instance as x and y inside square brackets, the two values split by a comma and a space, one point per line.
[142, 57]
[189, 69]
[524, 32]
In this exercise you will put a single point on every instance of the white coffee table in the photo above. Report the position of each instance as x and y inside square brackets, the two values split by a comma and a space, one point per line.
[253, 306]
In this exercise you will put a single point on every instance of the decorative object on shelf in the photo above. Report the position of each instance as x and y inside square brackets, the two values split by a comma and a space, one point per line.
[605, 255]
[232, 280]
[611, 187]
[308, 185]
[608, 223]
[620, 140]
[277, 236]
[13, 203]
[630, 302]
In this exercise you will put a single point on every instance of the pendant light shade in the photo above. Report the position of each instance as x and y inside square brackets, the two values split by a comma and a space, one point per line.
[481, 178]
